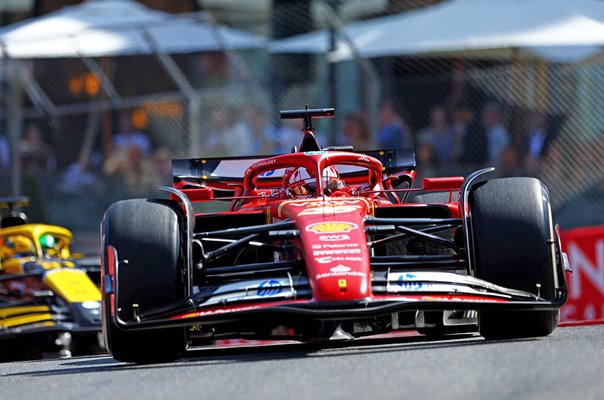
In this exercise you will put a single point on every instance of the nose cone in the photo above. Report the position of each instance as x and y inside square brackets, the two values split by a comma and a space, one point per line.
[334, 247]
[341, 282]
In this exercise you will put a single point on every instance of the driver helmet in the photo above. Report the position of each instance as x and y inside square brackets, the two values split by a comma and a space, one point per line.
[301, 182]
[49, 243]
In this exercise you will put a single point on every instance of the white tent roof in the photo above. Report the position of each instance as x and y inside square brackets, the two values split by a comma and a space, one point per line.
[548, 26]
[116, 27]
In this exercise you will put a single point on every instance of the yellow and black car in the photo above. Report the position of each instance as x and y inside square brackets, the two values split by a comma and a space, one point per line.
[48, 303]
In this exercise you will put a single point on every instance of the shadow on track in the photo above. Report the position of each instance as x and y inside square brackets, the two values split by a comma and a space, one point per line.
[210, 356]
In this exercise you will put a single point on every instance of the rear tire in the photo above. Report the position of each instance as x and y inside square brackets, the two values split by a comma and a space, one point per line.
[512, 234]
[147, 234]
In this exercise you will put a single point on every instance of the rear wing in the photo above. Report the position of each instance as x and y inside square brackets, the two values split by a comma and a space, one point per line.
[224, 172]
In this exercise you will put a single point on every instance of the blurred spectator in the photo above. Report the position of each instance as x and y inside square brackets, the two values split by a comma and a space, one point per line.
[80, 178]
[162, 165]
[394, 132]
[537, 142]
[36, 154]
[462, 119]
[129, 136]
[228, 138]
[439, 135]
[498, 138]
[260, 128]
[474, 143]
[129, 170]
[37, 163]
[509, 163]
[289, 135]
[81, 194]
[424, 156]
[355, 132]
[4, 157]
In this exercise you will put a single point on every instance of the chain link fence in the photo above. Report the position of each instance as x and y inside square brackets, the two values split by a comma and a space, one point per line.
[73, 165]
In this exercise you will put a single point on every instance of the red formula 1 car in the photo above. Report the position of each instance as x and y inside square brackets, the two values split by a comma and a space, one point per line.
[326, 244]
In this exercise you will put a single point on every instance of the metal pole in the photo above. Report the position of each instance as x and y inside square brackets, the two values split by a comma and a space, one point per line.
[332, 81]
[20, 72]
[193, 98]
[14, 127]
[372, 83]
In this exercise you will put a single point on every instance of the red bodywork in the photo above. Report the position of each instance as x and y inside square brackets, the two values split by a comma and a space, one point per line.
[369, 255]
[332, 240]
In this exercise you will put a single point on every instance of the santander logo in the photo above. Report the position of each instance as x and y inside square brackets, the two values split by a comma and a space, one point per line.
[340, 268]
[341, 271]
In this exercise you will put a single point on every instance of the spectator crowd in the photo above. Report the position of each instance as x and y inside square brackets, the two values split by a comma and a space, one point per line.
[456, 140]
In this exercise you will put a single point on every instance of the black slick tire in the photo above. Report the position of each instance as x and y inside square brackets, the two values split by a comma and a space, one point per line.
[146, 234]
[512, 242]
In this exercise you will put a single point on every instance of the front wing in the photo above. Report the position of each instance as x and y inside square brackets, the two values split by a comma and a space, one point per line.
[289, 297]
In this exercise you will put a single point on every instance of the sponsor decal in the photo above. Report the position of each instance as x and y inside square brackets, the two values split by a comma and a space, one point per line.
[332, 227]
[269, 288]
[315, 153]
[340, 271]
[267, 173]
[330, 259]
[317, 207]
[342, 284]
[464, 298]
[335, 245]
[364, 158]
[585, 249]
[328, 203]
[263, 163]
[334, 238]
[329, 209]
[336, 251]
[408, 281]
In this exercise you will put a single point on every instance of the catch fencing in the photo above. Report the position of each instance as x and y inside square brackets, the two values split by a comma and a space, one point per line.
[68, 118]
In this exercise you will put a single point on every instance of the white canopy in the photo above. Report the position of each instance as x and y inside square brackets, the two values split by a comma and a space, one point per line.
[116, 27]
[549, 27]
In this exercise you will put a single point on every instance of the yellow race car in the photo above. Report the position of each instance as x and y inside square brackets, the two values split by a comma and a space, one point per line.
[48, 303]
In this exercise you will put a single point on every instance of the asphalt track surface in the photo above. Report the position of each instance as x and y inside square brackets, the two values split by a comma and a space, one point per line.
[567, 365]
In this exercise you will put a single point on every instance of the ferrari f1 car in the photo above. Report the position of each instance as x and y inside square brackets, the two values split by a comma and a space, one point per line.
[326, 244]
[48, 303]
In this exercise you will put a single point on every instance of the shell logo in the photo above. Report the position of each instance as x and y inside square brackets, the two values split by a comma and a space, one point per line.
[331, 227]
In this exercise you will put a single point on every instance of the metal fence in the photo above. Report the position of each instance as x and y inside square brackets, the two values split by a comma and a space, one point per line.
[72, 168]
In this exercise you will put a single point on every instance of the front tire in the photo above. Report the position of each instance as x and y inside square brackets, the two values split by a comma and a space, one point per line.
[513, 247]
[146, 233]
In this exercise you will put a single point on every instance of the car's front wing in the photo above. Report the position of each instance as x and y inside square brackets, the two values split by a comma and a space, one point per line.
[290, 297]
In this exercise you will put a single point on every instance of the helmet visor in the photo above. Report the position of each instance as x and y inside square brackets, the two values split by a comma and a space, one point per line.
[305, 188]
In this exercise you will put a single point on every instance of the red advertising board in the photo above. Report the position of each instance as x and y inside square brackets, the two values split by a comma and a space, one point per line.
[585, 249]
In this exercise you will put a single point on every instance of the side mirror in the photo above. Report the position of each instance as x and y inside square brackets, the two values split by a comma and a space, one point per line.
[200, 194]
[443, 184]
